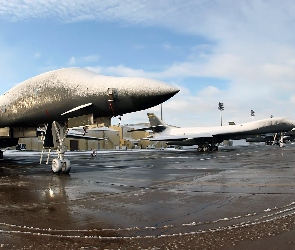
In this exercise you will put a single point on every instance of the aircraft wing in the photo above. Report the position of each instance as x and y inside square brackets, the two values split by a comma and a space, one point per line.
[140, 129]
[181, 137]
[150, 128]
[81, 136]
[85, 129]
[81, 131]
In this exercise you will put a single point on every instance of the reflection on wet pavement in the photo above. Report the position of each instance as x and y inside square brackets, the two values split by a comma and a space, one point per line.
[148, 199]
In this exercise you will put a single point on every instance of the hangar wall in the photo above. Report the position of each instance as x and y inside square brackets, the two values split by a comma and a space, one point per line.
[117, 138]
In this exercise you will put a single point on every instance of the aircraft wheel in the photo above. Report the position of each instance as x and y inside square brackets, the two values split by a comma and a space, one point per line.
[56, 166]
[66, 166]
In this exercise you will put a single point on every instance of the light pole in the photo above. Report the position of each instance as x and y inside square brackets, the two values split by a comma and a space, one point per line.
[220, 107]
[252, 114]
[162, 147]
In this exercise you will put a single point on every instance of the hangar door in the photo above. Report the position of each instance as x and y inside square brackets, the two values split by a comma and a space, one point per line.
[74, 145]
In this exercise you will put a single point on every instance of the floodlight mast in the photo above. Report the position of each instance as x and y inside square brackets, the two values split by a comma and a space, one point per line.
[221, 108]
[252, 114]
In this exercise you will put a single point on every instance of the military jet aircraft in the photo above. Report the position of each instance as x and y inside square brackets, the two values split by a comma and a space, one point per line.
[208, 138]
[51, 99]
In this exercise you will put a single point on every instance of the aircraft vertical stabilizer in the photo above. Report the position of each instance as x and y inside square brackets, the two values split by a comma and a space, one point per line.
[156, 123]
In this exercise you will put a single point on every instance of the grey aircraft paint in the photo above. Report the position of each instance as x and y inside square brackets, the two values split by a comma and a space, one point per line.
[77, 91]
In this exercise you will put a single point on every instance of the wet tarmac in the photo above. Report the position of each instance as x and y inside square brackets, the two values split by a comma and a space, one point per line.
[236, 198]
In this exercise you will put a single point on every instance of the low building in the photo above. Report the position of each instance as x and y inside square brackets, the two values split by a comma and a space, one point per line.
[110, 138]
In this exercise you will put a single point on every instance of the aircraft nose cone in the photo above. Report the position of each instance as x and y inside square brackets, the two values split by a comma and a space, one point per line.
[150, 93]
[162, 94]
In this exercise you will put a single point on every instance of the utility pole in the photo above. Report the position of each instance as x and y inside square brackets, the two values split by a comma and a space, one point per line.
[221, 108]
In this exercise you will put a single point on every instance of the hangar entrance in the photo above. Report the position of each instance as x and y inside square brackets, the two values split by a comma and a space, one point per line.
[74, 145]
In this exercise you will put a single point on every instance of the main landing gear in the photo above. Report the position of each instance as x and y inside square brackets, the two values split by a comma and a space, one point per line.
[207, 148]
[279, 141]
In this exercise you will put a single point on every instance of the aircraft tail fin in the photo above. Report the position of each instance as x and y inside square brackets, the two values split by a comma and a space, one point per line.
[156, 123]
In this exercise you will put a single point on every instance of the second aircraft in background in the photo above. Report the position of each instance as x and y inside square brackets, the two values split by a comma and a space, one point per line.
[208, 138]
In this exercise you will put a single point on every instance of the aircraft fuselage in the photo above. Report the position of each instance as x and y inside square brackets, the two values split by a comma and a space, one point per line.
[50, 97]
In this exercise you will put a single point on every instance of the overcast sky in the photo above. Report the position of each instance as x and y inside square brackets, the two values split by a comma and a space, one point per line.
[240, 53]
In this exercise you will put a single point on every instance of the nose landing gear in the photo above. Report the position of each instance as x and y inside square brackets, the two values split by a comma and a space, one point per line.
[60, 164]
